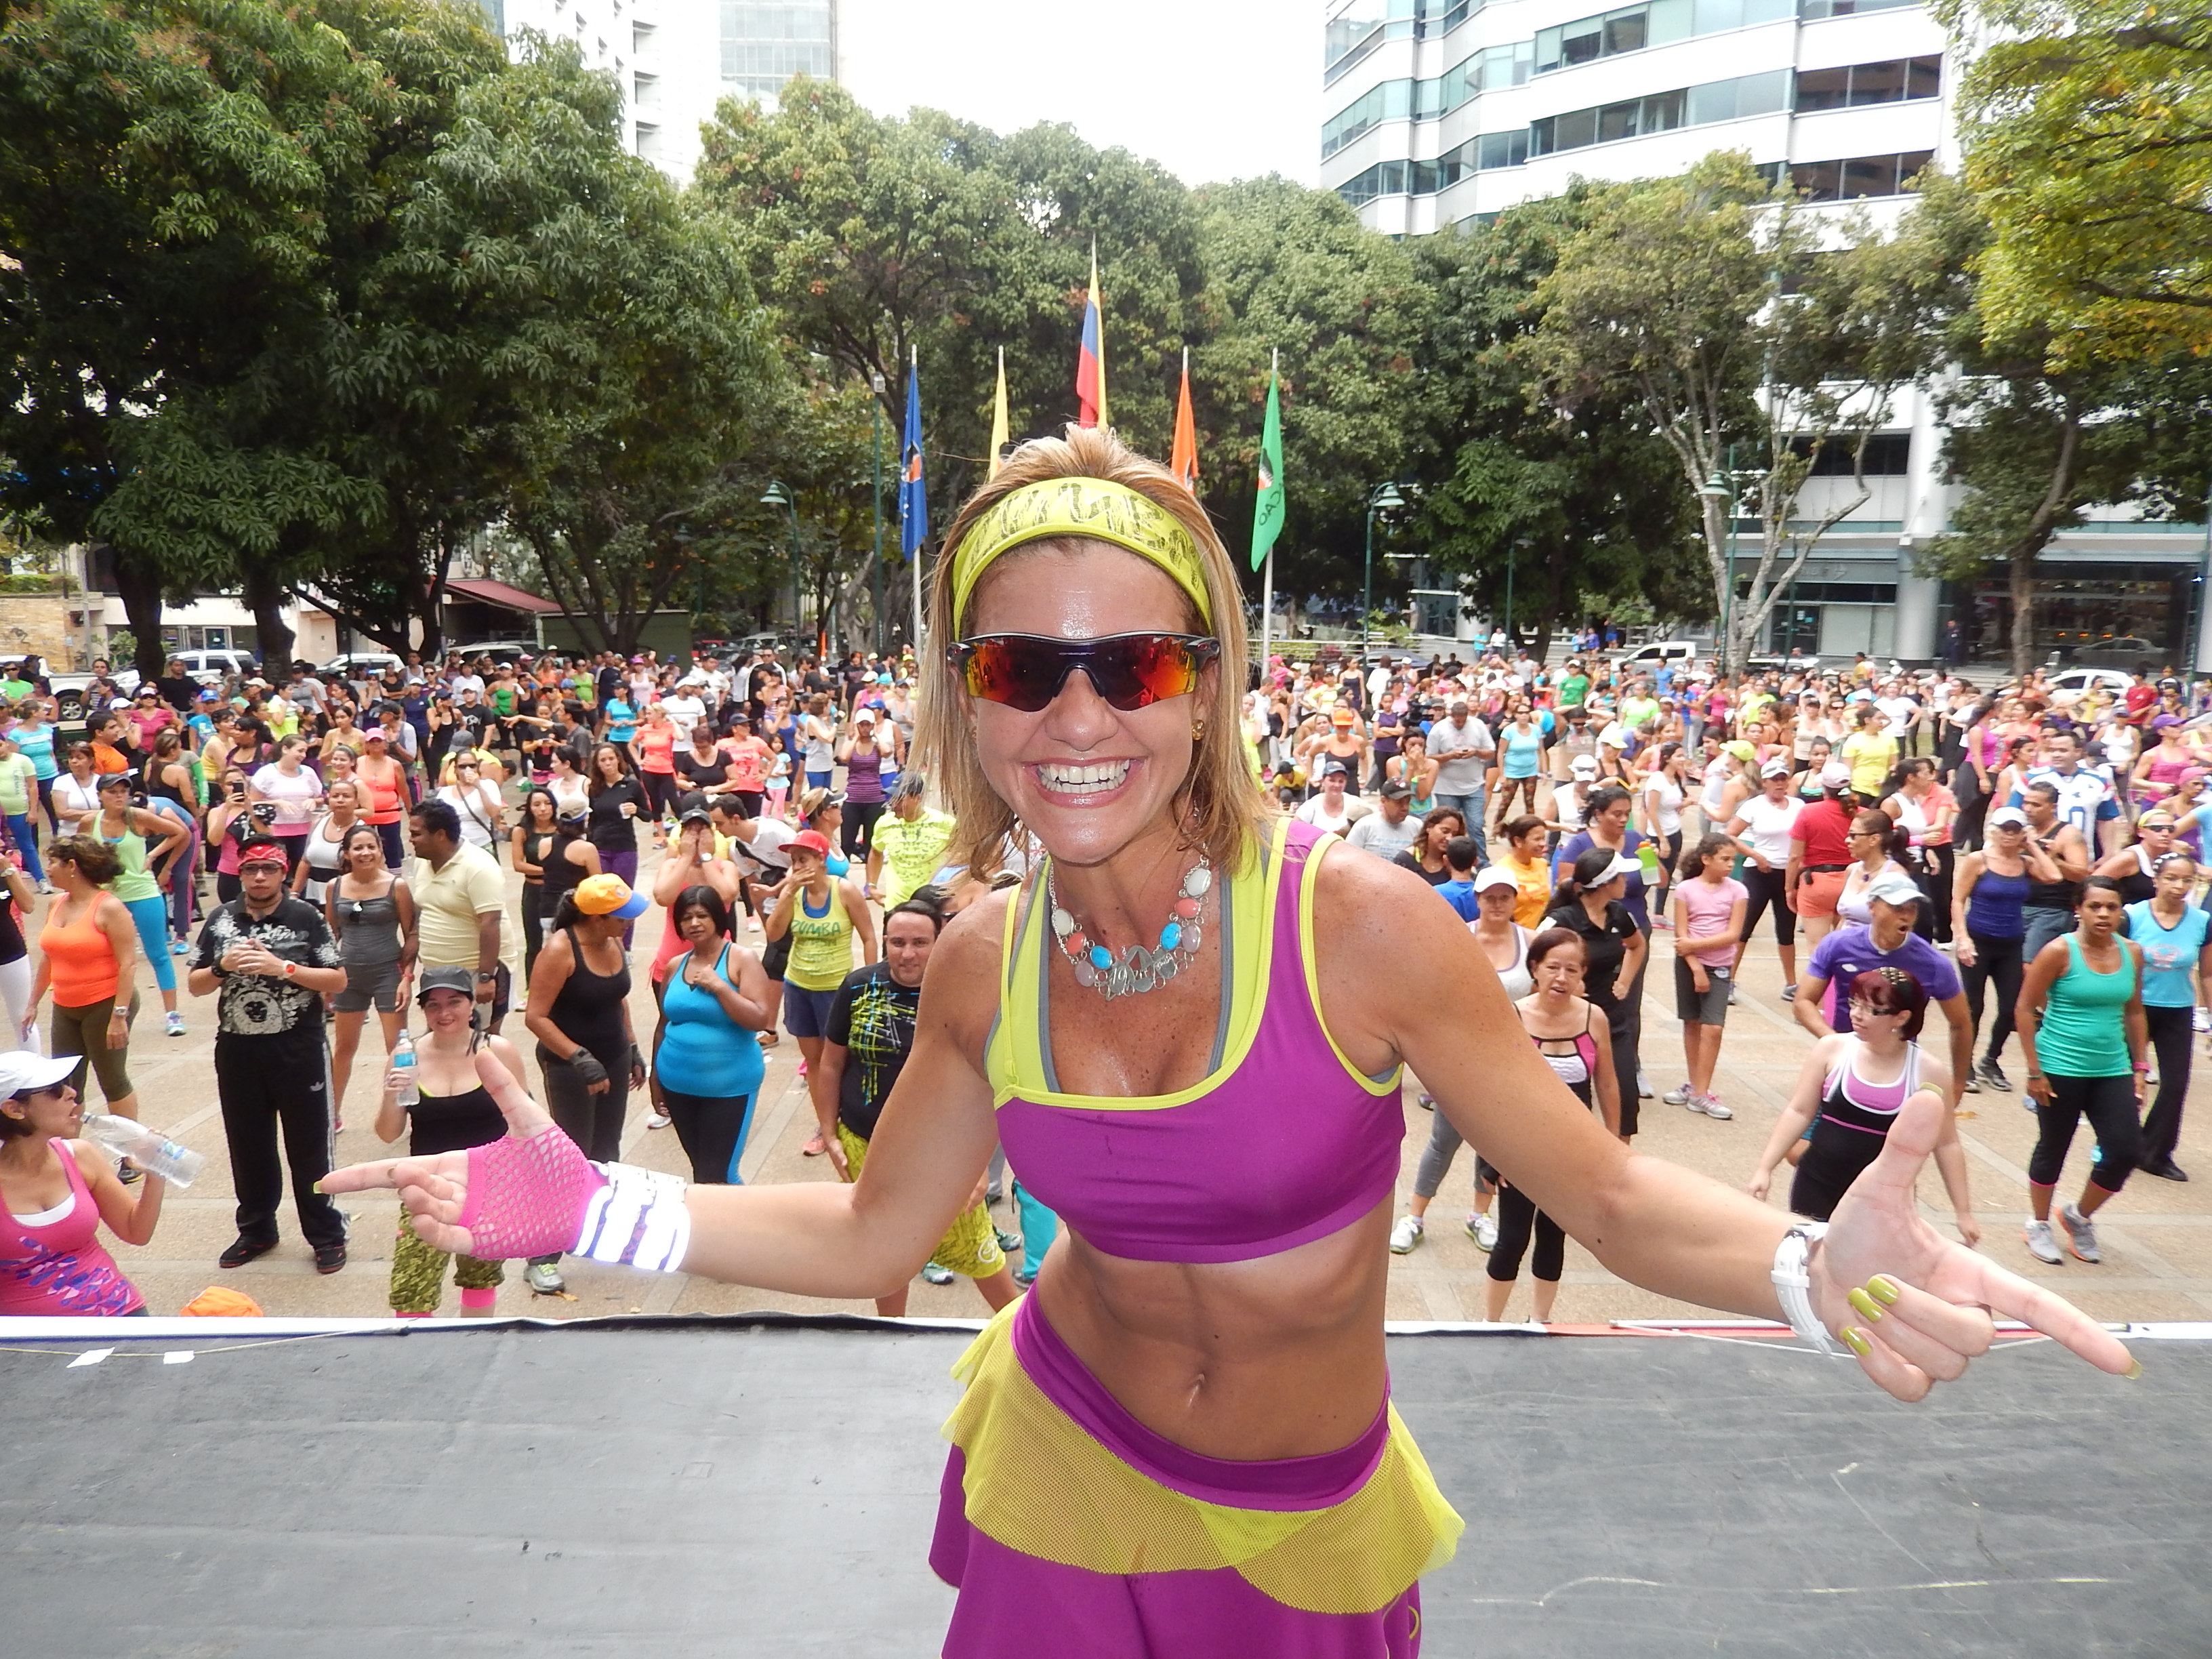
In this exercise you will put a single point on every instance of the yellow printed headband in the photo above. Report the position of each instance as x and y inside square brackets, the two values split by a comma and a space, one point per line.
[1093, 507]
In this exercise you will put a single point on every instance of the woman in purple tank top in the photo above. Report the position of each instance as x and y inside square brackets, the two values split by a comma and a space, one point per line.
[1186, 1022]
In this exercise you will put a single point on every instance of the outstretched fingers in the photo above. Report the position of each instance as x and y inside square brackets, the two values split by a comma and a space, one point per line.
[435, 1203]
[2007, 1294]
[363, 1178]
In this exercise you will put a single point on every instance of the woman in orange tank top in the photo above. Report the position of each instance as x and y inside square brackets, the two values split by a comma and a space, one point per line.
[87, 951]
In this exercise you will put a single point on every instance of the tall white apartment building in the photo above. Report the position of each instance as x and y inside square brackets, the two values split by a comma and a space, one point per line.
[1440, 112]
[676, 59]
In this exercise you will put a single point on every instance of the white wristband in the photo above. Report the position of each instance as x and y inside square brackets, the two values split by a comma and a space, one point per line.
[638, 1219]
[1792, 1281]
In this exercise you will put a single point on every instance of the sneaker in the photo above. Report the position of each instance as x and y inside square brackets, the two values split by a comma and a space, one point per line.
[1732, 990]
[544, 1278]
[656, 1120]
[243, 1251]
[2201, 1020]
[1973, 1085]
[1428, 1102]
[935, 1274]
[175, 1025]
[1790, 993]
[1712, 1107]
[1008, 1242]
[178, 947]
[1992, 1074]
[1407, 1234]
[2041, 1245]
[1685, 1096]
[2081, 1233]
[330, 1258]
[1483, 1229]
[1643, 1086]
[1025, 1276]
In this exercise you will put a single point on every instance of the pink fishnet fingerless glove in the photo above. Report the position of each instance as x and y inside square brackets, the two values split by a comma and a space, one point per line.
[527, 1197]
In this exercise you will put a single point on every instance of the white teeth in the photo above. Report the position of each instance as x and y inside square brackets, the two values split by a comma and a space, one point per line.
[1084, 780]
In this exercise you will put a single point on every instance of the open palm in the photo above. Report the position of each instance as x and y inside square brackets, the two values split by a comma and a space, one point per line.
[1947, 1298]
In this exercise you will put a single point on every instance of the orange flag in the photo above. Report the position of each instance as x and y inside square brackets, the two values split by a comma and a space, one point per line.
[1182, 460]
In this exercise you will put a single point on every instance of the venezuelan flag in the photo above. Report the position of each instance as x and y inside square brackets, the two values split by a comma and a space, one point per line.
[1091, 358]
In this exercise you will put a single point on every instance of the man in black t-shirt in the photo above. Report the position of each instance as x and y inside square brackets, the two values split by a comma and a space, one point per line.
[870, 1035]
[177, 689]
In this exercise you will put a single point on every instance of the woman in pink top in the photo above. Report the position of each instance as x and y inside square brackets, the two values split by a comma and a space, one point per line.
[55, 1190]
[1185, 1017]
[1708, 910]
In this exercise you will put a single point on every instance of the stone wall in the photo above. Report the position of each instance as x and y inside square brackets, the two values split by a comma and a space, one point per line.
[41, 622]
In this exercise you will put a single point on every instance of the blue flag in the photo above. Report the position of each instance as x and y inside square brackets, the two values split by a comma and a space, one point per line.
[914, 500]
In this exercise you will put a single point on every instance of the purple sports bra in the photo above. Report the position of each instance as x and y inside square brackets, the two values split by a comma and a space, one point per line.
[1281, 1143]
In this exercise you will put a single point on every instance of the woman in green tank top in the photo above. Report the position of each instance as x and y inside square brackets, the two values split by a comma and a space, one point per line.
[2083, 1028]
[143, 839]
[821, 915]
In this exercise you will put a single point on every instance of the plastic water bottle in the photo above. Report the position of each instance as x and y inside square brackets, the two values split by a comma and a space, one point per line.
[402, 1061]
[149, 1149]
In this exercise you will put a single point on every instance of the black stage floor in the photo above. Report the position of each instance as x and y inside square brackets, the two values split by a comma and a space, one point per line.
[677, 1488]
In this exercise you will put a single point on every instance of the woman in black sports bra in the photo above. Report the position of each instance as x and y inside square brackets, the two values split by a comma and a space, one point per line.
[454, 1112]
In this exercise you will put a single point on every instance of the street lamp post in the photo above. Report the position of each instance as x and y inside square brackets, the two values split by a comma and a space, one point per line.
[876, 501]
[776, 495]
[1722, 488]
[1384, 498]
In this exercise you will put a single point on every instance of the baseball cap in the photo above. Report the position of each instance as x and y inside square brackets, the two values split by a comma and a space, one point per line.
[609, 895]
[445, 978]
[2161, 722]
[809, 840]
[1774, 769]
[1336, 768]
[1622, 865]
[1835, 774]
[1741, 750]
[1397, 789]
[1894, 887]
[1583, 766]
[1343, 717]
[1492, 875]
[2008, 817]
[693, 805]
[22, 1072]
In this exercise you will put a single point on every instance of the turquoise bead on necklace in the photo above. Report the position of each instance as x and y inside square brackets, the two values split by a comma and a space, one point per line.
[1138, 968]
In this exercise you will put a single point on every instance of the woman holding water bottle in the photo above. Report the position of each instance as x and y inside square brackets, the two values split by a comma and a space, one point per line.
[56, 1190]
[437, 1094]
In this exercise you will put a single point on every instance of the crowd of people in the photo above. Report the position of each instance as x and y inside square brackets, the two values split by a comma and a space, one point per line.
[307, 848]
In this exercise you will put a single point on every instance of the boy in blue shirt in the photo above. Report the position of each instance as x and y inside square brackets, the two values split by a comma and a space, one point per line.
[1458, 892]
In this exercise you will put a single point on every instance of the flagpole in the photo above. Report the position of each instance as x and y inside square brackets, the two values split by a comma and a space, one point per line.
[920, 555]
[1267, 579]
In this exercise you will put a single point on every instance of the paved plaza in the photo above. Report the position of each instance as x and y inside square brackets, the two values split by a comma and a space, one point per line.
[2157, 1235]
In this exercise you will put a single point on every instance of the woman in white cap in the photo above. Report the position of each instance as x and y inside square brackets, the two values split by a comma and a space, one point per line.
[1763, 827]
[1590, 903]
[1989, 898]
[55, 1189]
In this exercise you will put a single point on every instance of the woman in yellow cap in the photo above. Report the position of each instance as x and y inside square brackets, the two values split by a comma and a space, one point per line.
[1186, 1022]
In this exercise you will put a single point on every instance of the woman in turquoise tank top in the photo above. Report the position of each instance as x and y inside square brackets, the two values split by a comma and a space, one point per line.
[1186, 1021]
[2082, 1032]
[142, 839]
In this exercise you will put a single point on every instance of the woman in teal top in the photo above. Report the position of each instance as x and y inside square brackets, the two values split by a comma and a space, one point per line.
[1520, 757]
[707, 1062]
[2082, 1029]
[2175, 939]
[34, 739]
[142, 839]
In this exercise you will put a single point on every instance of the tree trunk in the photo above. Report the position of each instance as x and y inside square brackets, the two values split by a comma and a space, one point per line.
[2021, 570]
[140, 584]
[273, 636]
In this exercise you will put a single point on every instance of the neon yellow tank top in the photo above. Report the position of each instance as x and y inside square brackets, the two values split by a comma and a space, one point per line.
[821, 946]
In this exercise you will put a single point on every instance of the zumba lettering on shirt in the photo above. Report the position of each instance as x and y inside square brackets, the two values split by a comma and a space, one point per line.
[258, 1004]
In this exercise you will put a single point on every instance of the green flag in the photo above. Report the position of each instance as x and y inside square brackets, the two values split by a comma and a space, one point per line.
[1268, 510]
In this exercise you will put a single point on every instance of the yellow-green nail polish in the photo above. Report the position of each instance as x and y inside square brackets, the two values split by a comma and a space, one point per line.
[2134, 1373]
[1856, 1340]
[1884, 1289]
[1869, 1309]
[319, 1186]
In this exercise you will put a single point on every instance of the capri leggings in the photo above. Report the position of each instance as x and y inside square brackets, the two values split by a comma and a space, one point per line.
[661, 793]
[15, 981]
[151, 918]
[1768, 889]
[1517, 1216]
[2109, 1104]
[419, 1275]
[2002, 960]
[712, 1130]
[1436, 1156]
[84, 1031]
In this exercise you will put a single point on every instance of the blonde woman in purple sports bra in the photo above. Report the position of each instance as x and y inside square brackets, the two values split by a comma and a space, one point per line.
[1187, 1025]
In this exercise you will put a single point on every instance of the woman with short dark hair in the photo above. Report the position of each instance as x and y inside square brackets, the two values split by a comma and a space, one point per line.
[707, 1064]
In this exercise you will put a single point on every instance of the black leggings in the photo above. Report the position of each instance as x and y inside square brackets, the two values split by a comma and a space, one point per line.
[2109, 1104]
[711, 1129]
[859, 830]
[1518, 1217]
[1768, 888]
[662, 791]
[2002, 960]
[534, 913]
[2169, 1040]
[1932, 877]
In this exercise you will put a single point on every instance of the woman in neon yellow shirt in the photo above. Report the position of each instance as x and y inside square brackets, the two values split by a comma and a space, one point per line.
[1871, 754]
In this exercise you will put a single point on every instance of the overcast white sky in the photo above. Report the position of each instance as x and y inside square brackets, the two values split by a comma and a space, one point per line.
[1211, 89]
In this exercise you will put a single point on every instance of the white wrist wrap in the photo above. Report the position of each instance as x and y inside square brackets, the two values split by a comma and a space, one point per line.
[1792, 1281]
[638, 1219]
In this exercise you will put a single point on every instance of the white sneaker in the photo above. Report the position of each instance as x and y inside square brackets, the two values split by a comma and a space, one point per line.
[1712, 1107]
[1483, 1229]
[656, 1120]
[2041, 1245]
[1643, 1086]
[1407, 1234]
[2081, 1233]
[1684, 1095]
[1732, 990]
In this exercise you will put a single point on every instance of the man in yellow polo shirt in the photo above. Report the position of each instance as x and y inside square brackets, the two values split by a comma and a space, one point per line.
[909, 843]
[460, 906]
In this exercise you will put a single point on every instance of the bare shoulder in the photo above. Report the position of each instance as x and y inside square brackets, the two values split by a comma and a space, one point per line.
[506, 1053]
[1373, 912]
[961, 992]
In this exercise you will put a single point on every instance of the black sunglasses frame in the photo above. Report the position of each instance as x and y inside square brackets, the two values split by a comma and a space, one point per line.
[1114, 681]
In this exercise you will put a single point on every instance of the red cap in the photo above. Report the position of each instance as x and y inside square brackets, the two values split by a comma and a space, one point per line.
[811, 841]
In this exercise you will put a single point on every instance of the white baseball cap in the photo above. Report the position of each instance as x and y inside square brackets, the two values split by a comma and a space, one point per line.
[1492, 875]
[23, 1072]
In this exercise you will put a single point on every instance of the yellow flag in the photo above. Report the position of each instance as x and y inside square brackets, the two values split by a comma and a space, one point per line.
[1000, 434]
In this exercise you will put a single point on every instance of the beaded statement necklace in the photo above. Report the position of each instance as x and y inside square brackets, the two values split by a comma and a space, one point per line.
[1138, 969]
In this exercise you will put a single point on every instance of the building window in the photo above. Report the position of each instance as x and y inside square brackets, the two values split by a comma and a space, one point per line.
[1894, 80]
[1813, 10]
[766, 42]
[1656, 23]
[1858, 177]
[1638, 118]
[1888, 455]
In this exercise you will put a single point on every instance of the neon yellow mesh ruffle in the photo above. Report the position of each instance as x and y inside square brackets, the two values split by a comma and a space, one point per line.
[1037, 1483]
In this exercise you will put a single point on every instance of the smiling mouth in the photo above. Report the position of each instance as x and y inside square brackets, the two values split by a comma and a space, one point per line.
[1082, 782]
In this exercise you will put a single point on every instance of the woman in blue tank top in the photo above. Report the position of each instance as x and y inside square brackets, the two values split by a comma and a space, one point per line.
[2176, 937]
[707, 1062]
[1989, 894]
